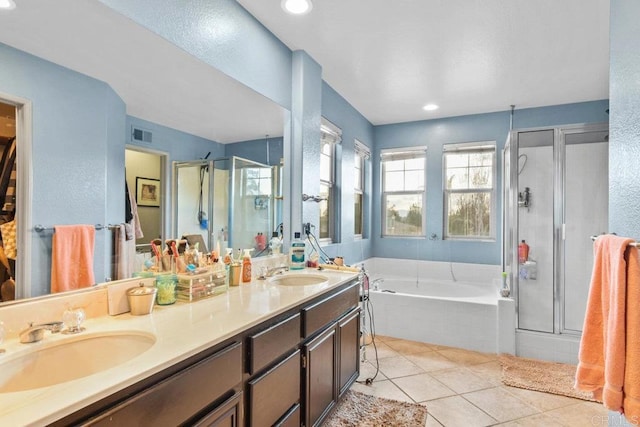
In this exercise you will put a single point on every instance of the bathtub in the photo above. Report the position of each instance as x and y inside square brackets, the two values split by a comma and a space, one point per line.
[455, 305]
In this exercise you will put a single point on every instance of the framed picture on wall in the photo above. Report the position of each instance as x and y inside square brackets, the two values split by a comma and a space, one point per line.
[148, 192]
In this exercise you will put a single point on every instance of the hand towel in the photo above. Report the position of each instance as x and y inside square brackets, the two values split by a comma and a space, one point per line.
[124, 253]
[72, 257]
[631, 387]
[601, 359]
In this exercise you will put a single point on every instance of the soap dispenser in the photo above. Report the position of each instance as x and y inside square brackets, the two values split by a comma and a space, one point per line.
[246, 266]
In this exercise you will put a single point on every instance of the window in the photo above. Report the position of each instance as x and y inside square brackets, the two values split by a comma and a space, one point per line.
[469, 196]
[362, 154]
[330, 136]
[403, 191]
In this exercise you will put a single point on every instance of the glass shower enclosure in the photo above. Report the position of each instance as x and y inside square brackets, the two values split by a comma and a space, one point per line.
[229, 202]
[555, 197]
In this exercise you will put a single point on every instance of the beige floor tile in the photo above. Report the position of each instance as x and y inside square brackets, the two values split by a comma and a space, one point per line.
[368, 370]
[394, 367]
[385, 389]
[490, 371]
[432, 422]
[467, 357]
[455, 411]
[405, 347]
[382, 349]
[431, 361]
[500, 404]
[538, 420]
[580, 414]
[461, 380]
[383, 338]
[423, 387]
[542, 401]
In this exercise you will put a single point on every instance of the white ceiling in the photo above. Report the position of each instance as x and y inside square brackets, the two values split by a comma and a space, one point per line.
[158, 81]
[388, 58]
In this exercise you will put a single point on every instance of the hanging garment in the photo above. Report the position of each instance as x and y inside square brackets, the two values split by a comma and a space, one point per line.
[124, 253]
[9, 241]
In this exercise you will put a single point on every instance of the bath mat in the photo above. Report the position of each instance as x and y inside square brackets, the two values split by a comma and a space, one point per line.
[362, 410]
[540, 375]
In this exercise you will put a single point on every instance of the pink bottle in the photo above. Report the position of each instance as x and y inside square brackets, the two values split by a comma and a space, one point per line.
[523, 252]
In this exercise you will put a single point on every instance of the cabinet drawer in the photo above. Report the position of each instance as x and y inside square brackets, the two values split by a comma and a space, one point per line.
[270, 344]
[177, 398]
[272, 394]
[291, 419]
[329, 309]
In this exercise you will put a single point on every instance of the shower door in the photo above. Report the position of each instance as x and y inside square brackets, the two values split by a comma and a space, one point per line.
[191, 201]
[586, 201]
[558, 199]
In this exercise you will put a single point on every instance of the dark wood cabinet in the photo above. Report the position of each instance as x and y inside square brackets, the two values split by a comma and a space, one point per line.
[228, 414]
[178, 398]
[286, 371]
[319, 363]
[349, 350]
[274, 393]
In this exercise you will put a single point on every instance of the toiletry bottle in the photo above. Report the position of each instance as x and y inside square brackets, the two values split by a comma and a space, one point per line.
[246, 266]
[523, 252]
[261, 242]
[275, 243]
[296, 253]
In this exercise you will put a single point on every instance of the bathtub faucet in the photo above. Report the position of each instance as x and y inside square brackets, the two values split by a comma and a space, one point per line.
[376, 284]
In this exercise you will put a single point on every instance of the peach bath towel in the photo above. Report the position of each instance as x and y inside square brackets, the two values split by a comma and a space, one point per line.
[601, 362]
[72, 257]
[631, 386]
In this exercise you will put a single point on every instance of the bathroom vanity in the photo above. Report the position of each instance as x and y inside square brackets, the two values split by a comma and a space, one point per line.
[263, 354]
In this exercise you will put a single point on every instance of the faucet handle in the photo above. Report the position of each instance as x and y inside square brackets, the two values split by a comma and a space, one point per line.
[72, 320]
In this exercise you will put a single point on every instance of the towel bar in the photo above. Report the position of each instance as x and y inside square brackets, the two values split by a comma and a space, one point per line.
[636, 244]
[40, 228]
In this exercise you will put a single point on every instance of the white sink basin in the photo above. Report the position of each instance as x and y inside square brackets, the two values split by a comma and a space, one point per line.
[69, 359]
[299, 279]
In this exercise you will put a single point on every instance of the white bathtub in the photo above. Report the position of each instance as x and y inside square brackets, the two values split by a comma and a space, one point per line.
[420, 301]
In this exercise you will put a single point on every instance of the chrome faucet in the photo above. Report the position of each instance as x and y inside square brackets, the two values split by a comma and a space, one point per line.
[35, 333]
[270, 272]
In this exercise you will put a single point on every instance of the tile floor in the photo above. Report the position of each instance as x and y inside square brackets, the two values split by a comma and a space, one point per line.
[462, 388]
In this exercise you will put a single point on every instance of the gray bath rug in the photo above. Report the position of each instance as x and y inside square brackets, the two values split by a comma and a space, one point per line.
[540, 375]
[361, 410]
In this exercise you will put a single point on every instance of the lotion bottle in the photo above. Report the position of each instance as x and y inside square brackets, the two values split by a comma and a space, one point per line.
[246, 266]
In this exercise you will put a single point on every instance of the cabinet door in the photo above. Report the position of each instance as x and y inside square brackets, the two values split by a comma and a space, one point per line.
[272, 394]
[349, 349]
[320, 375]
[229, 414]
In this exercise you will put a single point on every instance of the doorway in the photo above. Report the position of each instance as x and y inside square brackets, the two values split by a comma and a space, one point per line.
[8, 200]
[145, 170]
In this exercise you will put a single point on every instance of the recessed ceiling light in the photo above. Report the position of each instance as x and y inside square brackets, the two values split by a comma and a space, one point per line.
[430, 107]
[7, 5]
[295, 7]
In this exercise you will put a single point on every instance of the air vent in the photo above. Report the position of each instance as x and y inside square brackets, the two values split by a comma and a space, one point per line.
[141, 135]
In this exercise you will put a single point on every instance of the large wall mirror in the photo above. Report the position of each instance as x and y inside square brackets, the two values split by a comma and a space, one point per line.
[75, 83]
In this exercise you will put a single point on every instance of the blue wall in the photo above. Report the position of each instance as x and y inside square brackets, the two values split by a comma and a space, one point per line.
[354, 126]
[435, 133]
[80, 130]
[77, 130]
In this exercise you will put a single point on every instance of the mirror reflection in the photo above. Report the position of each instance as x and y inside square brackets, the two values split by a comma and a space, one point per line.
[76, 117]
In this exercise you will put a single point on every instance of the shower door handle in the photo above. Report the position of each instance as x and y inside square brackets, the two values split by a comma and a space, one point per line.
[563, 232]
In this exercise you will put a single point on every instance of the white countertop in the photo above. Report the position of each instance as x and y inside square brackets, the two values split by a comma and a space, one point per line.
[181, 330]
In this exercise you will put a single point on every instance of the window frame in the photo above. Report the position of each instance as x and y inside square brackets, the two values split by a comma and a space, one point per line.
[361, 155]
[403, 153]
[329, 133]
[471, 147]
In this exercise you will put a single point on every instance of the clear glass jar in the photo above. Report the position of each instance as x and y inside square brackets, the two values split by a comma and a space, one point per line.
[166, 284]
